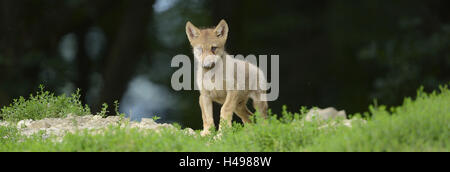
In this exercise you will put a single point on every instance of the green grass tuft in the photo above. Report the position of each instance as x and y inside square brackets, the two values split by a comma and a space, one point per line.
[44, 105]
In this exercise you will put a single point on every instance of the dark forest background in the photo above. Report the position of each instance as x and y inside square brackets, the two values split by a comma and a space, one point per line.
[344, 54]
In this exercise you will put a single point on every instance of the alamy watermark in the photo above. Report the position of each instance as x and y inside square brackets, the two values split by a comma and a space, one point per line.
[228, 73]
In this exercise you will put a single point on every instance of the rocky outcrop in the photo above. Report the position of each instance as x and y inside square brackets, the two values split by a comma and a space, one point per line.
[96, 124]
[92, 123]
[330, 114]
[325, 114]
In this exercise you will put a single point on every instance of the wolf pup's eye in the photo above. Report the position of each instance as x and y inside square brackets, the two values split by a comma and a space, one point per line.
[213, 49]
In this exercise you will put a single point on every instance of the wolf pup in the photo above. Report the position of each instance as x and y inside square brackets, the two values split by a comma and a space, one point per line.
[209, 52]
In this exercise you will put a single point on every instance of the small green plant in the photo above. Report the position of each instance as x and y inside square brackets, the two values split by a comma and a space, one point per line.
[116, 108]
[44, 105]
[155, 118]
[104, 110]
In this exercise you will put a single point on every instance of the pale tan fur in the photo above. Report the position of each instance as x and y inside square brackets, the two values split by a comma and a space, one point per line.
[203, 41]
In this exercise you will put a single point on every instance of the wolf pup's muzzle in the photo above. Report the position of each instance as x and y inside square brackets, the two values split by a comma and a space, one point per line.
[209, 63]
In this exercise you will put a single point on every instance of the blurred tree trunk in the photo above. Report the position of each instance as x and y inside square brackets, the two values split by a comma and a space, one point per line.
[5, 21]
[126, 51]
[93, 13]
[83, 64]
[17, 36]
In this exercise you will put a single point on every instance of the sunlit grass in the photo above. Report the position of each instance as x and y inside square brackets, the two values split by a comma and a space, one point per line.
[418, 125]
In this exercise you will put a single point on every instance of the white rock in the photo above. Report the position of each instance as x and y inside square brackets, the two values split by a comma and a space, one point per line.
[4, 123]
[148, 121]
[189, 131]
[24, 123]
[325, 114]
[97, 117]
[39, 124]
[95, 124]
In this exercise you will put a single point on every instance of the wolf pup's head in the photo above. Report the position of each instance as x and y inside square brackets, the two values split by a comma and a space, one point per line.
[208, 44]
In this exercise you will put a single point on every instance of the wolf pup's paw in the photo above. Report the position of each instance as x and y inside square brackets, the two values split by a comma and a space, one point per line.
[205, 133]
[218, 136]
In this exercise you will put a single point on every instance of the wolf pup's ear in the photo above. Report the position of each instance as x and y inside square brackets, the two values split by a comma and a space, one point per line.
[222, 29]
[192, 32]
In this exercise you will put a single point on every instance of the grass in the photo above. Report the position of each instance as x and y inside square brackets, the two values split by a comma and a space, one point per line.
[44, 105]
[417, 125]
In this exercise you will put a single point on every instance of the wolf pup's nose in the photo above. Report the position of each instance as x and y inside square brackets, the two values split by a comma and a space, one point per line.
[209, 65]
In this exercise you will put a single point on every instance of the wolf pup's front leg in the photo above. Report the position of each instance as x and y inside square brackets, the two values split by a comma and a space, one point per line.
[228, 107]
[207, 114]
